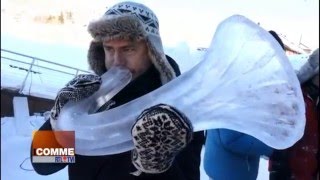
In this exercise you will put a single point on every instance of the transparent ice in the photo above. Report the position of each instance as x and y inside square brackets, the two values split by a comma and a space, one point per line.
[245, 82]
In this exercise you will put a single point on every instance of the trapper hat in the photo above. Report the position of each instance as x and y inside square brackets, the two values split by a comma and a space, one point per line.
[133, 21]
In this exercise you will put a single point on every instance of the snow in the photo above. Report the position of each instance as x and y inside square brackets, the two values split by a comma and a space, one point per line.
[47, 82]
[15, 148]
[15, 152]
[42, 82]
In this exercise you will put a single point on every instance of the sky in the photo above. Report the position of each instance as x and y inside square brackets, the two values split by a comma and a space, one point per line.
[194, 21]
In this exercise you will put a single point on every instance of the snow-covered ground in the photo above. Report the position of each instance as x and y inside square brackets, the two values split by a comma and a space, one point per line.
[15, 149]
[15, 152]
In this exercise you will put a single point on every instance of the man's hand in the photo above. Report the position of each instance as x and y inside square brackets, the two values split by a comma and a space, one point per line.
[82, 86]
[159, 134]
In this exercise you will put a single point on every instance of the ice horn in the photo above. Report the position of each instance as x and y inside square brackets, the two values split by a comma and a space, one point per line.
[245, 82]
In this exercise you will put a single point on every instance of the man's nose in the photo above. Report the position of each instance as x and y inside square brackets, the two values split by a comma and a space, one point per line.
[119, 59]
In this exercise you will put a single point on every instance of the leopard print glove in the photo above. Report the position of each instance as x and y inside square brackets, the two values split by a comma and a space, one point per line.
[82, 86]
[159, 134]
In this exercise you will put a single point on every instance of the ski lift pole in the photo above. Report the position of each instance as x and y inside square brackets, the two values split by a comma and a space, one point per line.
[25, 79]
[77, 72]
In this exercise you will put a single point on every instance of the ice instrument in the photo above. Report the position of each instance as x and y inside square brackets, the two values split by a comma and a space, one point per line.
[245, 82]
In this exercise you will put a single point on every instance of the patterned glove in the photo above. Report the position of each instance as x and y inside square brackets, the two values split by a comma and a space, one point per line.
[82, 86]
[159, 134]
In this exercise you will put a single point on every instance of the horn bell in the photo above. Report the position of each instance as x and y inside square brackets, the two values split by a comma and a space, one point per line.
[245, 83]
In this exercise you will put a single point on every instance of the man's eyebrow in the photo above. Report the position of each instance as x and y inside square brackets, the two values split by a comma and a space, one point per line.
[129, 46]
[105, 44]
[125, 46]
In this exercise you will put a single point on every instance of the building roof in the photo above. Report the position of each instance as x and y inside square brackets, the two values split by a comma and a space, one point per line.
[291, 46]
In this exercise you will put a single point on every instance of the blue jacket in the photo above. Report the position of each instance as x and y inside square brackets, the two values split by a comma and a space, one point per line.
[233, 155]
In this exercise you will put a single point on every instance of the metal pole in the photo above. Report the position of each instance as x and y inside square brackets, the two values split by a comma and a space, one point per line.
[77, 72]
[300, 40]
[25, 79]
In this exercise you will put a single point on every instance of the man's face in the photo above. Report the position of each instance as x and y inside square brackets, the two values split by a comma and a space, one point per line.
[130, 54]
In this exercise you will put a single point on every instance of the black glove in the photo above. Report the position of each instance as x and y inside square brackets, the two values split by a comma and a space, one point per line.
[159, 134]
[82, 86]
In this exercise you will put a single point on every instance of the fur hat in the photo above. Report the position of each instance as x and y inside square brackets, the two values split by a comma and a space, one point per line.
[133, 21]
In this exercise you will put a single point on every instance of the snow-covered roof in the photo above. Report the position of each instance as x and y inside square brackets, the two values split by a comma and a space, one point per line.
[293, 46]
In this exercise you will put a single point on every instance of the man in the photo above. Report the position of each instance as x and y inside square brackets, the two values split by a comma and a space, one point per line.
[128, 35]
[301, 161]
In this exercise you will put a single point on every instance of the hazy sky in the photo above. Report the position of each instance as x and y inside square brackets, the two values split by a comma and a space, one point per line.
[195, 21]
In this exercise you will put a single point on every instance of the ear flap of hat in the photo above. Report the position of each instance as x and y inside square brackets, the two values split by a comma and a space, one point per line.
[96, 58]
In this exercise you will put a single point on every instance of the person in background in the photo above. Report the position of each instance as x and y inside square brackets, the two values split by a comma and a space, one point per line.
[234, 155]
[128, 35]
[301, 161]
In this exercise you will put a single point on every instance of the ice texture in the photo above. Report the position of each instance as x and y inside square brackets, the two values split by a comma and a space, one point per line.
[245, 83]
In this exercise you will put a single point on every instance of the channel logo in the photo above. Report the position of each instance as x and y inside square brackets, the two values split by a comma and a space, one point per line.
[53, 147]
